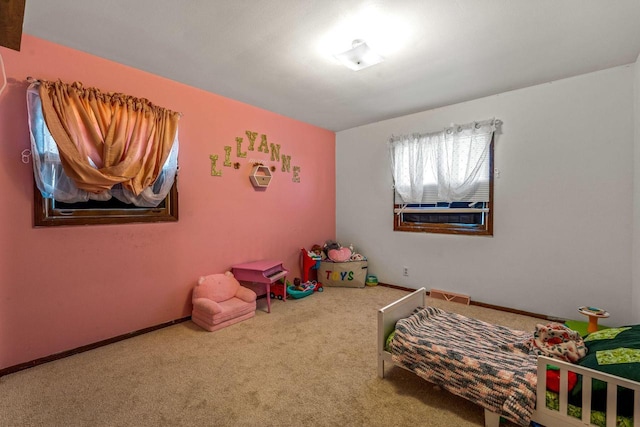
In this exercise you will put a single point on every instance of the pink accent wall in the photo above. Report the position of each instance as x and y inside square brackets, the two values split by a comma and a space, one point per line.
[65, 287]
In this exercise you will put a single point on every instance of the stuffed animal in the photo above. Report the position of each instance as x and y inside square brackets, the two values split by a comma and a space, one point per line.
[339, 255]
[330, 244]
[316, 252]
[358, 257]
[336, 253]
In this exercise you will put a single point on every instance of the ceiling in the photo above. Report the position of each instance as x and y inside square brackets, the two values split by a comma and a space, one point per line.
[276, 54]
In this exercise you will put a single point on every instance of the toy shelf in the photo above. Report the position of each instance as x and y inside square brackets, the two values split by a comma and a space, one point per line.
[260, 176]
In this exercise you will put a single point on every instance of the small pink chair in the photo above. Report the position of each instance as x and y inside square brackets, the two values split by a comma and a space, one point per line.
[219, 300]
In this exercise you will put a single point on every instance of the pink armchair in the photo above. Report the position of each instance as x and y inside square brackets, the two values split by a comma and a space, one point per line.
[219, 300]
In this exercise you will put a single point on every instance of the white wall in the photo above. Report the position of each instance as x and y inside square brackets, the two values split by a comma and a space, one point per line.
[635, 260]
[563, 202]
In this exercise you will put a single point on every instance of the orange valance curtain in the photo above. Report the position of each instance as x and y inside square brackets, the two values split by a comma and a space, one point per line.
[107, 138]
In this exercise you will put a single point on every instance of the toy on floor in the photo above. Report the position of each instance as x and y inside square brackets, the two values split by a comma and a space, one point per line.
[309, 261]
[297, 285]
[302, 289]
[278, 289]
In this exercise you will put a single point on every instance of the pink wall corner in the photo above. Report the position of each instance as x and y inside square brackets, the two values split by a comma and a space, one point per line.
[65, 287]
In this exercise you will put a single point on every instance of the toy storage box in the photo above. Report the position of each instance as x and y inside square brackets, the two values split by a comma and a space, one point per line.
[351, 274]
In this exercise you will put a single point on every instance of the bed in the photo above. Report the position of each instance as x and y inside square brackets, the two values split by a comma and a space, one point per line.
[528, 398]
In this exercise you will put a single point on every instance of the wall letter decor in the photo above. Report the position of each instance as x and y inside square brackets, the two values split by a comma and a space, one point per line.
[227, 155]
[286, 163]
[264, 145]
[263, 148]
[239, 152]
[214, 160]
[252, 138]
[275, 152]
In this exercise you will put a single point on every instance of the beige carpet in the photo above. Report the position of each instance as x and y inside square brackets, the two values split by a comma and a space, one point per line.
[311, 362]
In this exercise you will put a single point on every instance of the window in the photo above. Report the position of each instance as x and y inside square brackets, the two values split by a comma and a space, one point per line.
[49, 212]
[443, 181]
[116, 165]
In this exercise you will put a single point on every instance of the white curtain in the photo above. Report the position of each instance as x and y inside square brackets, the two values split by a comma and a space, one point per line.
[447, 166]
[54, 183]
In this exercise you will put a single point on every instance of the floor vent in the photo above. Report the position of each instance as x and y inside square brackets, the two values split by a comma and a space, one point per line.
[450, 296]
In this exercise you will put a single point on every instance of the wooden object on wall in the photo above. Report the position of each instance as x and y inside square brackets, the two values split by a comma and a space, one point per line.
[449, 296]
[11, 19]
[260, 176]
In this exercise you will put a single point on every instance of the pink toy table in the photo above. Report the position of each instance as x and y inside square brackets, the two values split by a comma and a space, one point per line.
[261, 274]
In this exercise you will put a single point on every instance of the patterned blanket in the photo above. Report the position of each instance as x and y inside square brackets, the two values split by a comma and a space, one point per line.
[487, 364]
[558, 341]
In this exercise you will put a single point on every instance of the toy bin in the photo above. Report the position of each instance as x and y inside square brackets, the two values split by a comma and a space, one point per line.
[351, 274]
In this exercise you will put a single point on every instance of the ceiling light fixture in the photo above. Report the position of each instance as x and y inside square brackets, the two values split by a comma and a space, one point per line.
[359, 56]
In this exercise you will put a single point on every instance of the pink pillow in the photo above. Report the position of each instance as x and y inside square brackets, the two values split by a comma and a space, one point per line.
[339, 255]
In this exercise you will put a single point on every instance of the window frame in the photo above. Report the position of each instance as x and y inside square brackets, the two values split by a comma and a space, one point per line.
[45, 215]
[485, 229]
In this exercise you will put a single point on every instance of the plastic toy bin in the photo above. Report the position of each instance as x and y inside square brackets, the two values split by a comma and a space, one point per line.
[351, 274]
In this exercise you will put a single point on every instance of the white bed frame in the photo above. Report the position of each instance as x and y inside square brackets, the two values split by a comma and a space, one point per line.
[389, 315]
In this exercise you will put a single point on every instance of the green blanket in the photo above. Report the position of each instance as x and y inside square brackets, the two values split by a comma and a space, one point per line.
[598, 418]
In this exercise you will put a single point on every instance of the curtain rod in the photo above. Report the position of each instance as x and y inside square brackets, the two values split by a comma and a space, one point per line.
[453, 127]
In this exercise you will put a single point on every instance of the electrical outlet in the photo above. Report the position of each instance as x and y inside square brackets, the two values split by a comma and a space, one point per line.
[405, 271]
